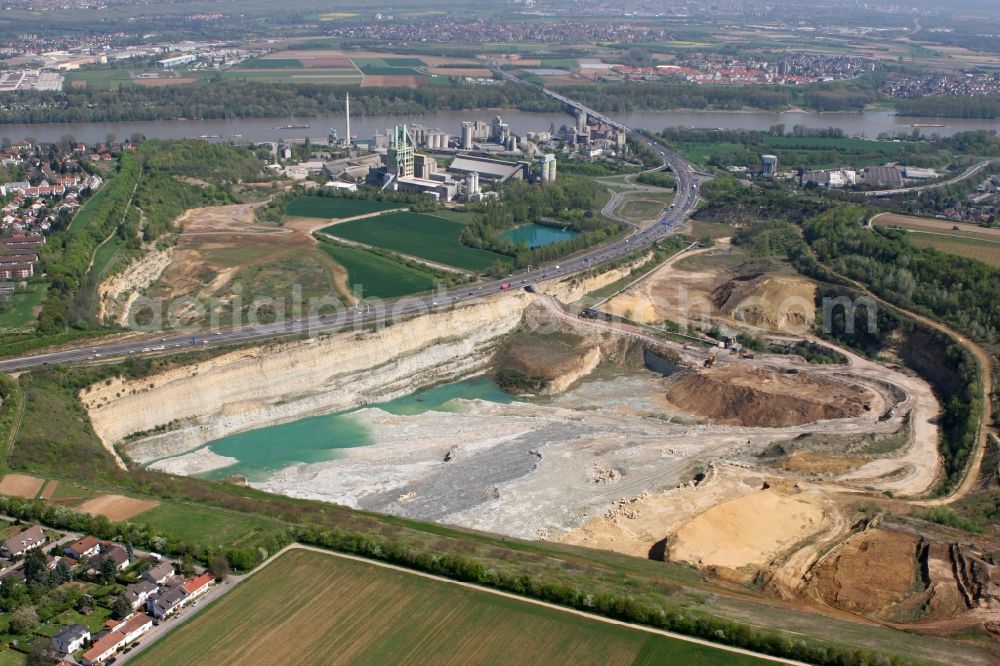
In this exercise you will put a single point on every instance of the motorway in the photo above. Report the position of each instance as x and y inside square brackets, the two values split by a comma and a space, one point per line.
[673, 217]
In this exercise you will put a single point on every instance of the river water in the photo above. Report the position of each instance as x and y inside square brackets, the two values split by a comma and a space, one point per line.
[868, 124]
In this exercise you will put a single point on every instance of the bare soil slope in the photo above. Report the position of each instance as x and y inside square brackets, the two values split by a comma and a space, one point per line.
[748, 531]
[784, 303]
[749, 396]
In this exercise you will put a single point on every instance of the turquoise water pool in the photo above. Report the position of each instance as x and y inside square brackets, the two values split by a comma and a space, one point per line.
[318, 438]
[538, 235]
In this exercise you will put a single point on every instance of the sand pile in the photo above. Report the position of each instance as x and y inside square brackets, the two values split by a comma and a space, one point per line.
[748, 396]
[748, 531]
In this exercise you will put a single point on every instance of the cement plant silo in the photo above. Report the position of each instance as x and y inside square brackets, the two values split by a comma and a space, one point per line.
[467, 132]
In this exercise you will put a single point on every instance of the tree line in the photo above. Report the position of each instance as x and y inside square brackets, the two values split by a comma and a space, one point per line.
[232, 99]
[950, 106]
[567, 203]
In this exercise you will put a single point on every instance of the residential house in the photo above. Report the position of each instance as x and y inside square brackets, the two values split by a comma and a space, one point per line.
[104, 648]
[137, 593]
[33, 537]
[86, 546]
[159, 573]
[53, 562]
[197, 586]
[136, 626]
[116, 554]
[165, 603]
[70, 638]
[18, 186]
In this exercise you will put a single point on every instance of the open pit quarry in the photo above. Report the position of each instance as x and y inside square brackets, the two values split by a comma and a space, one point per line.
[746, 469]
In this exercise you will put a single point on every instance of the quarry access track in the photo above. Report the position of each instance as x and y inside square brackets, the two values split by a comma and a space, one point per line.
[973, 468]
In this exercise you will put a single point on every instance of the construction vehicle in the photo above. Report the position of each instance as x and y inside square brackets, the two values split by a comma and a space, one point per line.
[747, 354]
[710, 361]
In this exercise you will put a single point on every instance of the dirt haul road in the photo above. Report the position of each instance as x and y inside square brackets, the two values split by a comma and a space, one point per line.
[986, 428]
[913, 472]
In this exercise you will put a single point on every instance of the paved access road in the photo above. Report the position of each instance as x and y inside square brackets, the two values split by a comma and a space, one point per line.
[685, 200]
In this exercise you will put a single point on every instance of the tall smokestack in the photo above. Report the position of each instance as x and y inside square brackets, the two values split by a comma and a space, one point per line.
[347, 108]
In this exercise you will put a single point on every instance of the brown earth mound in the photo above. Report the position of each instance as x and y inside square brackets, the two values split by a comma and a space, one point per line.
[748, 396]
[545, 356]
[777, 302]
[870, 573]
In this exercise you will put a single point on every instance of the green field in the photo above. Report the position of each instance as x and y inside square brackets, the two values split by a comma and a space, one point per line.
[699, 152]
[330, 76]
[643, 206]
[99, 78]
[271, 63]
[337, 207]
[193, 524]
[20, 310]
[419, 235]
[379, 276]
[315, 608]
[561, 63]
[985, 251]
[388, 66]
[701, 229]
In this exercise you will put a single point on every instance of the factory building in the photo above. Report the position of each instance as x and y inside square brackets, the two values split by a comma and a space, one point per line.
[768, 166]
[883, 176]
[547, 164]
[352, 169]
[830, 178]
[472, 190]
[916, 173]
[499, 130]
[441, 189]
[424, 166]
[496, 171]
[429, 137]
[177, 61]
[399, 157]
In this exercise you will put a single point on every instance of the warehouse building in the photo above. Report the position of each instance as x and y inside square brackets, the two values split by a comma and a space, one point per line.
[495, 171]
[177, 61]
[883, 176]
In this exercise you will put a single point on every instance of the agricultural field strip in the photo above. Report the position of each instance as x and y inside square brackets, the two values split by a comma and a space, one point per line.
[404, 233]
[506, 595]
[972, 240]
[372, 248]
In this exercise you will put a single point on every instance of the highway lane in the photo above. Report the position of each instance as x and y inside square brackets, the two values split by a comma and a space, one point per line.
[673, 217]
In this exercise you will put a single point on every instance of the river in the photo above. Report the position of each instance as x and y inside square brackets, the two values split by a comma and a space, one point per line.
[868, 124]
